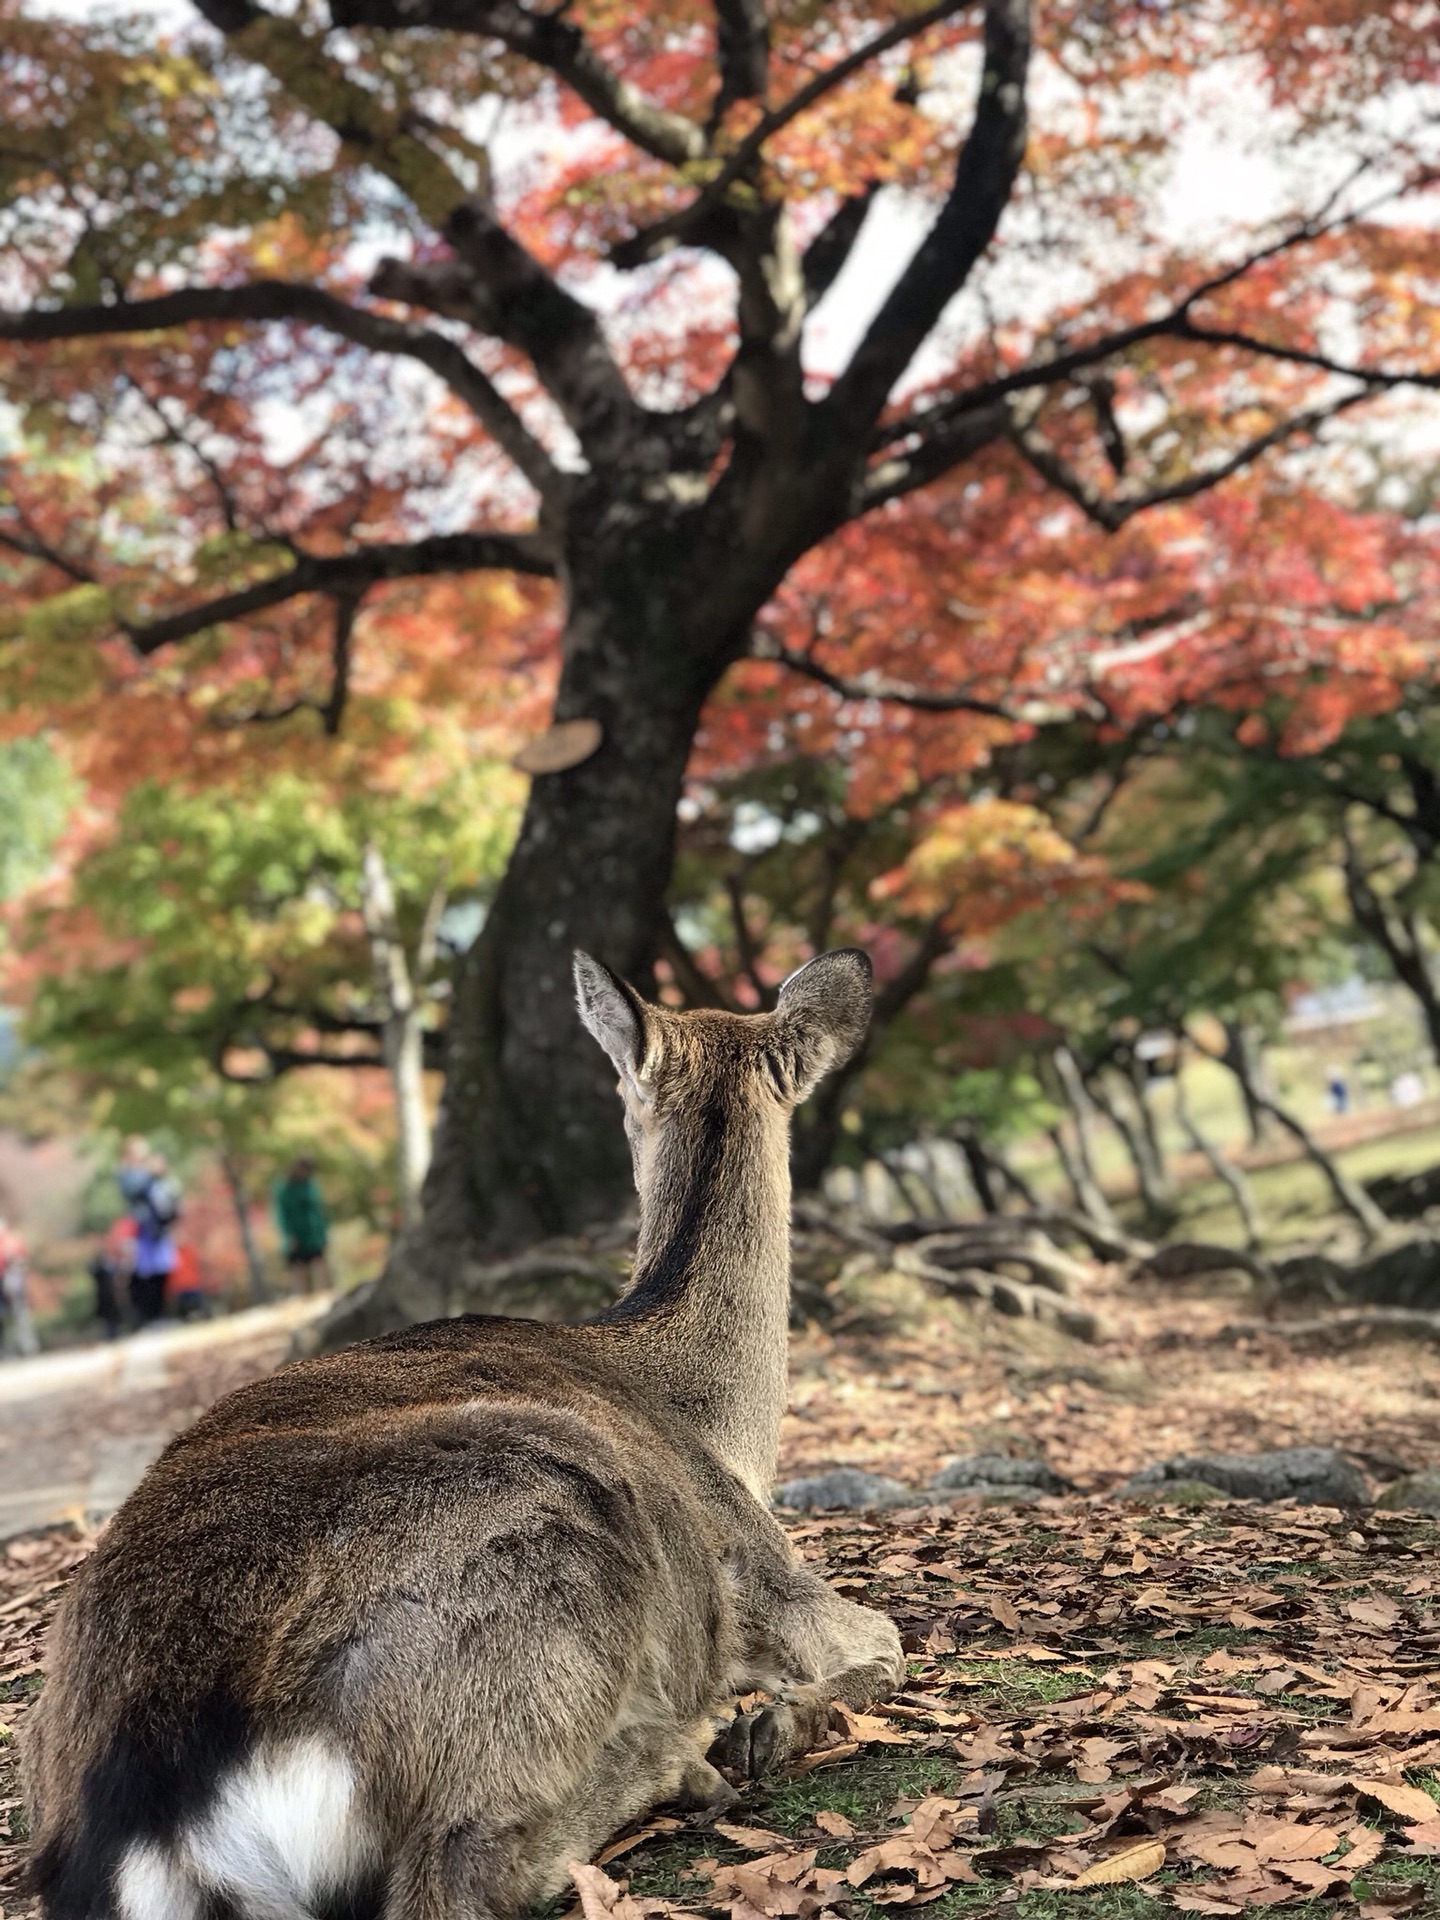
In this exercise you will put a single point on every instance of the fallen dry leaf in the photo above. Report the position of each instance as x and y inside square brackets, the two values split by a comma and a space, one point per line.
[753, 1839]
[1411, 1803]
[834, 1823]
[1366, 1847]
[1133, 1863]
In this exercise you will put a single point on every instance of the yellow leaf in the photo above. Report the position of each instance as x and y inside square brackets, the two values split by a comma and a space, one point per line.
[1135, 1863]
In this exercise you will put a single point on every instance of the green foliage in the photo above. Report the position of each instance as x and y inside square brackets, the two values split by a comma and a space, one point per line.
[36, 794]
[214, 943]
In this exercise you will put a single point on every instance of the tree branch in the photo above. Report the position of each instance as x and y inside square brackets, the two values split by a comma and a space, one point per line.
[1176, 323]
[742, 46]
[931, 459]
[984, 176]
[681, 225]
[551, 41]
[349, 574]
[265, 300]
[1113, 513]
[877, 686]
[347, 605]
[499, 287]
[827, 253]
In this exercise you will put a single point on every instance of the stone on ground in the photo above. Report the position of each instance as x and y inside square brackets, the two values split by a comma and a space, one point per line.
[995, 1476]
[1416, 1493]
[1314, 1476]
[847, 1489]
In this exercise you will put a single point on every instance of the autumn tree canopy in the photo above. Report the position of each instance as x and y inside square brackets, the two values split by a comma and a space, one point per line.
[365, 352]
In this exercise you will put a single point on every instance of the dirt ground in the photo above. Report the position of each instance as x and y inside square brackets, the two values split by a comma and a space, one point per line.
[1112, 1709]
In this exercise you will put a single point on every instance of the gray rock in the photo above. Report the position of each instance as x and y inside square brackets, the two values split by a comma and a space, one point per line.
[1315, 1476]
[997, 1473]
[1416, 1493]
[846, 1489]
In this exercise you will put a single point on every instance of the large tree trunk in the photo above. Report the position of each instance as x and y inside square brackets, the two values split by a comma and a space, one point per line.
[529, 1143]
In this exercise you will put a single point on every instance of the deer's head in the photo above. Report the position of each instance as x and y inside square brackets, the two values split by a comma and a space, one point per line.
[679, 1069]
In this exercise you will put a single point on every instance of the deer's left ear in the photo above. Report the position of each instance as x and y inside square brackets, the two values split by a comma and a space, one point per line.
[612, 1011]
[822, 1018]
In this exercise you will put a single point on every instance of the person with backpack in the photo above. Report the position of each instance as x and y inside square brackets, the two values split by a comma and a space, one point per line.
[153, 1202]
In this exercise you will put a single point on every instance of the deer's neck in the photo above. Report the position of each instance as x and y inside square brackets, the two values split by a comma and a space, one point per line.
[706, 1318]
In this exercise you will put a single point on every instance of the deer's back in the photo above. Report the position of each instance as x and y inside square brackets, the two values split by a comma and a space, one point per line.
[437, 1549]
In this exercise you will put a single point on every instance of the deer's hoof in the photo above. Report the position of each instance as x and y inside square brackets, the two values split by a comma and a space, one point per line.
[755, 1742]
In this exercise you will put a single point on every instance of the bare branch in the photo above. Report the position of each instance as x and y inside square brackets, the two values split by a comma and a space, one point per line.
[265, 300]
[1112, 513]
[984, 176]
[1177, 322]
[879, 686]
[350, 573]
[677, 227]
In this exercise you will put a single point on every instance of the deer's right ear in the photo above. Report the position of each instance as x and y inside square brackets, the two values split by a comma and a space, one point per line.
[612, 1011]
[821, 1017]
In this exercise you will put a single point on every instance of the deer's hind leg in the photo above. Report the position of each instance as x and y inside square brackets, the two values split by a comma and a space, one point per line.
[476, 1869]
[811, 1647]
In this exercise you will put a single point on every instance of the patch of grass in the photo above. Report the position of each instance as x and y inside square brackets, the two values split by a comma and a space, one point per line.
[25, 1688]
[864, 1790]
[1019, 1683]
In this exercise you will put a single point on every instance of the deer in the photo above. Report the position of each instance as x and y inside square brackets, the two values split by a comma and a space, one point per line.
[403, 1631]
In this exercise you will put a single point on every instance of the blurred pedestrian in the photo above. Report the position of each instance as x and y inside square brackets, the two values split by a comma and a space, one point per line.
[1337, 1090]
[110, 1265]
[187, 1285]
[17, 1327]
[154, 1203]
[304, 1224]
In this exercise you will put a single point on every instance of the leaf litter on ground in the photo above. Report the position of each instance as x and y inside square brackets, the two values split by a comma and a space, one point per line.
[1211, 1711]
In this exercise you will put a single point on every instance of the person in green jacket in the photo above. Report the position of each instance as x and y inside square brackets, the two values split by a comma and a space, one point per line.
[304, 1224]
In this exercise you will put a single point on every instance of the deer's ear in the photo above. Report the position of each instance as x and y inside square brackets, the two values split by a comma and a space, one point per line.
[612, 1011]
[822, 1017]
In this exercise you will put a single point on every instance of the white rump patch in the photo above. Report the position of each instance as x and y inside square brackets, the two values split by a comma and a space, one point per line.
[150, 1886]
[282, 1833]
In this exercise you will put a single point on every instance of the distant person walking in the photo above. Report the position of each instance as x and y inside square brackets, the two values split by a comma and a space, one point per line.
[17, 1328]
[110, 1264]
[304, 1224]
[153, 1202]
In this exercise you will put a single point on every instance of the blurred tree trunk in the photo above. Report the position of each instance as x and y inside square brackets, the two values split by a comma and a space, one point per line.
[1221, 1166]
[1350, 1196]
[398, 985]
[240, 1200]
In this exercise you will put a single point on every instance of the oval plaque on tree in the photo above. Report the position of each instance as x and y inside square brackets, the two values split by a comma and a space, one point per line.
[565, 745]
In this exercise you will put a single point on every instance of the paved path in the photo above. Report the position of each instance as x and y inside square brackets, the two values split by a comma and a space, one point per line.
[79, 1427]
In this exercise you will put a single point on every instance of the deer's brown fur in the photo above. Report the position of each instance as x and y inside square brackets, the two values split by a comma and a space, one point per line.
[403, 1631]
